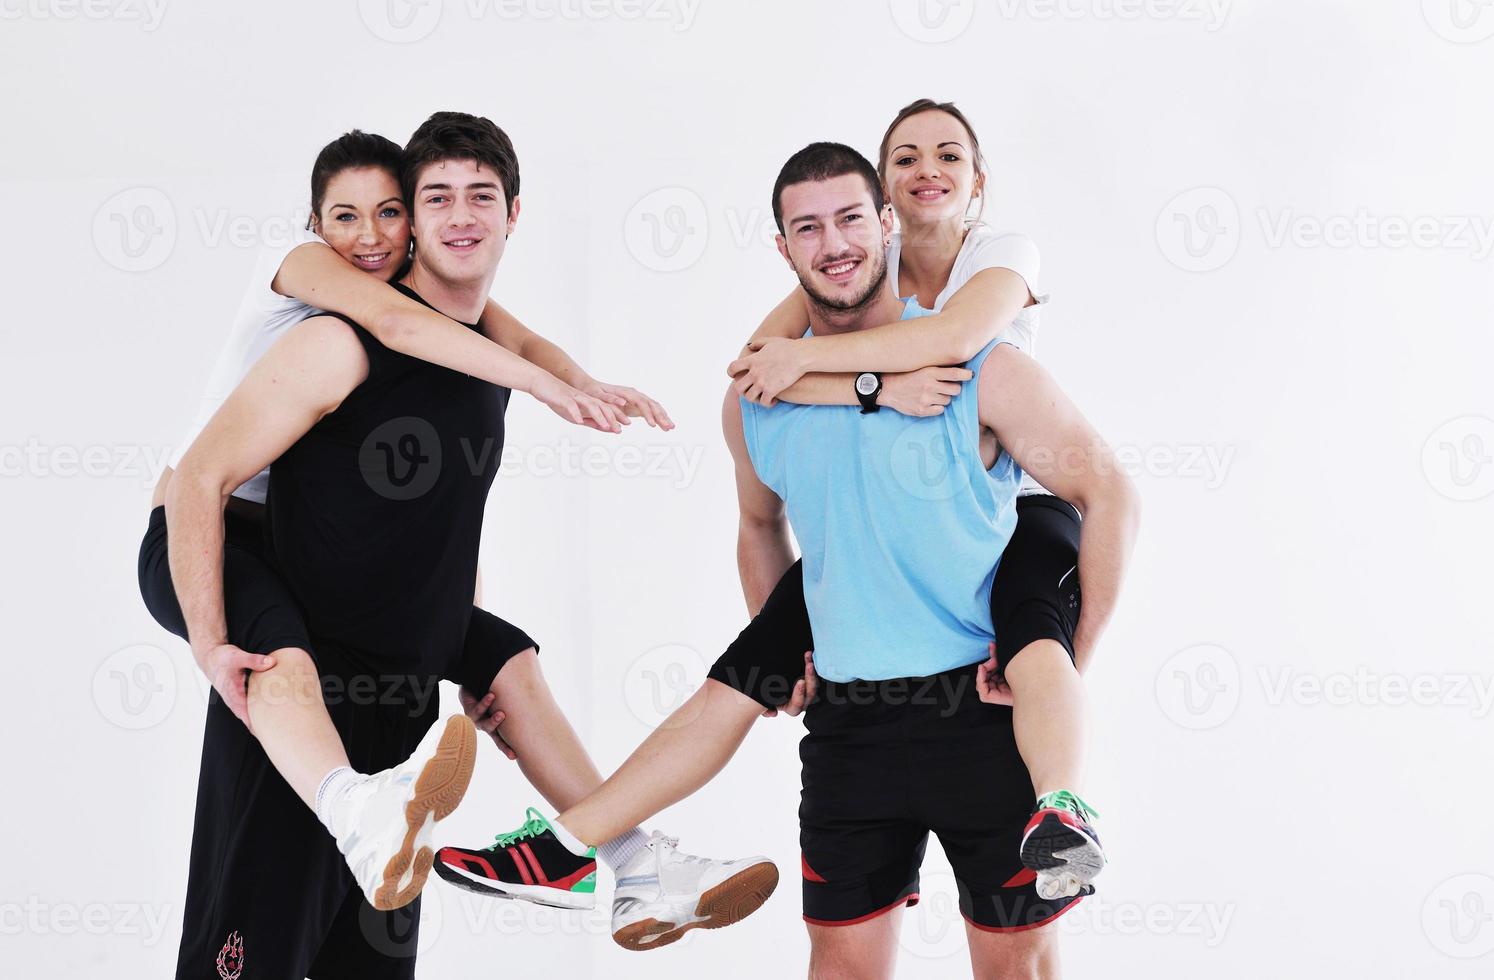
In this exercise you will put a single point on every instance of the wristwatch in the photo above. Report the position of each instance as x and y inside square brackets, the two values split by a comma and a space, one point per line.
[868, 387]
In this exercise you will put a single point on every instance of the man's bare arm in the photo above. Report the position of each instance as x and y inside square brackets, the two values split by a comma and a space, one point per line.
[303, 376]
[1049, 438]
[763, 549]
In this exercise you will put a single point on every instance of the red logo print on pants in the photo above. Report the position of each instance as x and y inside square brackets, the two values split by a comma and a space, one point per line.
[231, 957]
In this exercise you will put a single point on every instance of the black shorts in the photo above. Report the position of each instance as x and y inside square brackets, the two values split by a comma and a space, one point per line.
[267, 888]
[1035, 597]
[1036, 592]
[767, 658]
[885, 763]
[264, 616]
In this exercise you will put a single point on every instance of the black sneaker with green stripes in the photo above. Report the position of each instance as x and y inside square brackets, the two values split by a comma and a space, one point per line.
[1060, 844]
[530, 864]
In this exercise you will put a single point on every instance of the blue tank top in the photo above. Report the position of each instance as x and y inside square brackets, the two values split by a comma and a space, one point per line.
[900, 525]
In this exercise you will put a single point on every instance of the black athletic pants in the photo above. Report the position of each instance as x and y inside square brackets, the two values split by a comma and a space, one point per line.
[268, 893]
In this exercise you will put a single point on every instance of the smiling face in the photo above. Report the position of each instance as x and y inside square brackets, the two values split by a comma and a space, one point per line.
[833, 239]
[461, 220]
[930, 170]
[363, 218]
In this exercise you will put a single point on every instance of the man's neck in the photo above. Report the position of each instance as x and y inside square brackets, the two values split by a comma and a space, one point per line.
[462, 302]
[882, 307]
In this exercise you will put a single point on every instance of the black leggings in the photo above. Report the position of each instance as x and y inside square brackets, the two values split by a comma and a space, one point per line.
[1035, 596]
[263, 616]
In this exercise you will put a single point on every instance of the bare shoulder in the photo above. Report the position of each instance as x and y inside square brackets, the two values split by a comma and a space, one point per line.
[1011, 380]
[324, 330]
[323, 348]
[1006, 364]
[731, 420]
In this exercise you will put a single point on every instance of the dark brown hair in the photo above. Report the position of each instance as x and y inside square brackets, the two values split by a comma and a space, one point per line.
[822, 161]
[461, 136]
[351, 151]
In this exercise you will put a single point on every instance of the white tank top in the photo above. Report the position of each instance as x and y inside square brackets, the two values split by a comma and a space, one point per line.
[263, 316]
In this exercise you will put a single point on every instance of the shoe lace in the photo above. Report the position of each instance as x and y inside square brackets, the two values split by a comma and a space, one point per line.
[535, 825]
[1064, 800]
[678, 856]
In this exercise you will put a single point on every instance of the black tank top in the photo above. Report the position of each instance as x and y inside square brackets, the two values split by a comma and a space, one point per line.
[374, 515]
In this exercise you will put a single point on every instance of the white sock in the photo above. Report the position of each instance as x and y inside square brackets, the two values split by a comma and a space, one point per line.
[620, 850]
[332, 786]
[571, 841]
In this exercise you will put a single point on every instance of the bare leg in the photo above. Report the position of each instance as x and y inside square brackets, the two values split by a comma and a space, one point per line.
[678, 758]
[549, 753]
[1028, 955]
[291, 722]
[1049, 715]
[864, 951]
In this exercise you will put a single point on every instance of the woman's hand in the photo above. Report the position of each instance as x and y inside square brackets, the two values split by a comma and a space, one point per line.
[774, 364]
[923, 392]
[632, 402]
[577, 407]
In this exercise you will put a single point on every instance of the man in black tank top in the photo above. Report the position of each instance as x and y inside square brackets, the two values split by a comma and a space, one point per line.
[382, 466]
[374, 516]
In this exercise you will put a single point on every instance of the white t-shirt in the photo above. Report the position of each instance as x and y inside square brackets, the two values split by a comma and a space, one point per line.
[263, 316]
[985, 248]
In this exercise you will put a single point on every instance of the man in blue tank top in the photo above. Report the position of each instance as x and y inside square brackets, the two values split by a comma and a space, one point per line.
[898, 519]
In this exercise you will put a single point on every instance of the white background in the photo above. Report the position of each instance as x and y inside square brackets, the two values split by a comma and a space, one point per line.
[1291, 755]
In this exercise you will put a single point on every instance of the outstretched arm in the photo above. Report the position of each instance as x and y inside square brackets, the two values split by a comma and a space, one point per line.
[316, 275]
[978, 311]
[763, 549]
[305, 375]
[505, 329]
[1049, 438]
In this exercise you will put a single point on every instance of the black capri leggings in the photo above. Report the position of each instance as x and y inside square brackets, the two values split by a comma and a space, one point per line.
[1035, 596]
[263, 616]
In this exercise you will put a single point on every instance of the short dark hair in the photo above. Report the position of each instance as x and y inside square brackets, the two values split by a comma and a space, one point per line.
[351, 151]
[822, 161]
[460, 136]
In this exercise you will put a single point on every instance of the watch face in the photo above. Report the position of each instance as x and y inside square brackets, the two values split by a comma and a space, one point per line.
[865, 384]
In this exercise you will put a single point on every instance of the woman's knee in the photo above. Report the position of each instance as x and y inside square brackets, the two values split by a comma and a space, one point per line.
[520, 672]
